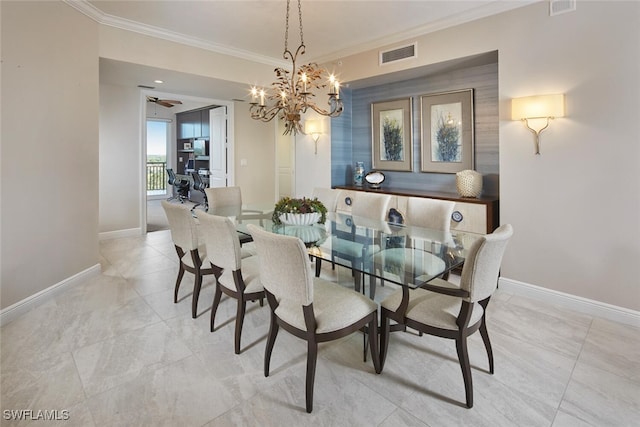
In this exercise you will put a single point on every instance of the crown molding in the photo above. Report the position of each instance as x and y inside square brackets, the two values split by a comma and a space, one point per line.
[479, 12]
[102, 18]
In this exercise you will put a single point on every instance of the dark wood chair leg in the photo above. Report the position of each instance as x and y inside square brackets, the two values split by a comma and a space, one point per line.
[214, 307]
[196, 294]
[271, 340]
[463, 357]
[485, 334]
[373, 343]
[385, 324]
[312, 357]
[242, 306]
[318, 266]
[178, 281]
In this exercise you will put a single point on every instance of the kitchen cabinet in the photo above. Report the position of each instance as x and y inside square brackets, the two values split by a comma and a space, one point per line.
[193, 124]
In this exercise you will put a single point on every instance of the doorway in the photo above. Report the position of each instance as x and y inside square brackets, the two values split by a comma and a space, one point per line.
[148, 208]
[158, 143]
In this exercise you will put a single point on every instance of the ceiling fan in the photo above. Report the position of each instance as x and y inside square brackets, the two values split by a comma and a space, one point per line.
[164, 102]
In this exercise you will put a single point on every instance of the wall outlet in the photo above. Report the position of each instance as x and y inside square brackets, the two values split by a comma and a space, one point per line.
[180, 159]
[243, 162]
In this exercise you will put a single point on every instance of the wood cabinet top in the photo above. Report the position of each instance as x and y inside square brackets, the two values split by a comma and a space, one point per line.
[420, 193]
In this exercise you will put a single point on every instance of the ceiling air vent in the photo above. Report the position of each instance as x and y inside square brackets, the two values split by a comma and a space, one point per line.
[556, 7]
[399, 54]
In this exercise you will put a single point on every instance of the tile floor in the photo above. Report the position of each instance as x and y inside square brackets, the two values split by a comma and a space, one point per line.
[116, 351]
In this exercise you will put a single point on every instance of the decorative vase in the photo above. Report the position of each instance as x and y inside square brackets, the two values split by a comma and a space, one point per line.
[358, 174]
[469, 183]
[299, 218]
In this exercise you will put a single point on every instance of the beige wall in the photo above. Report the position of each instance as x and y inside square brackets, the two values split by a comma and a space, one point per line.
[255, 143]
[49, 152]
[575, 207]
[120, 158]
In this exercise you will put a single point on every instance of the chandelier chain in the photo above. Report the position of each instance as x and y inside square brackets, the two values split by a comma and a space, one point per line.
[286, 28]
[300, 18]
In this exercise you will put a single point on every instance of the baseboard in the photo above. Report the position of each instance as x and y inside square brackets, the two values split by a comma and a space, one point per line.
[130, 232]
[12, 312]
[572, 302]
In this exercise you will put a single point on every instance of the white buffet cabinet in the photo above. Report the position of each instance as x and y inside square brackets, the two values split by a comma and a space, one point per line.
[473, 215]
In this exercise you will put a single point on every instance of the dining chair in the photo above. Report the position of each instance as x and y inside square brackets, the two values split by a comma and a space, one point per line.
[219, 197]
[421, 212]
[226, 201]
[367, 206]
[429, 213]
[312, 309]
[453, 312]
[189, 247]
[328, 197]
[240, 278]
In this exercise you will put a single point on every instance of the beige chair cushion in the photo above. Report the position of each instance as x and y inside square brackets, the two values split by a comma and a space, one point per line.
[432, 309]
[334, 307]
[250, 276]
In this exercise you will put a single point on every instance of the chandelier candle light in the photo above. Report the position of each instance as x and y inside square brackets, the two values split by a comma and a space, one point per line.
[292, 92]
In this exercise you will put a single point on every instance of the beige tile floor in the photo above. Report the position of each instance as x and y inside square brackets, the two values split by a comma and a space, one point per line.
[116, 351]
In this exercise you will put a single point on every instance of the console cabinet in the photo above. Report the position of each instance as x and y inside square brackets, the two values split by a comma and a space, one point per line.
[470, 215]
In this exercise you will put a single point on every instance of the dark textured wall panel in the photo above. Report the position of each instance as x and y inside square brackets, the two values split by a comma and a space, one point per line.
[348, 149]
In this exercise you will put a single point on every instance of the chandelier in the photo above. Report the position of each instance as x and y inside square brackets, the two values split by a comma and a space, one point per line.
[293, 91]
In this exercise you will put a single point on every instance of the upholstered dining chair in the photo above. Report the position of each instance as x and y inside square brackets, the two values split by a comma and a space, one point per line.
[191, 252]
[429, 213]
[219, 197]
[433, 214]
[446, 311]
[240, 278]
[372, 206]
[312, 309]
[328, 197]
[226, 201]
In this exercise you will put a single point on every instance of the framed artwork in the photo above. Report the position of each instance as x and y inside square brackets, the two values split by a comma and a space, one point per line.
[391, 135]
[447, 132]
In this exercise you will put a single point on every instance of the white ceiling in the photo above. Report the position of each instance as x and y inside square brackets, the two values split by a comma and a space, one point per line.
[255, 29]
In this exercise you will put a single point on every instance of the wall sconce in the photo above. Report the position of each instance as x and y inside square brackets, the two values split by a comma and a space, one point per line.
[536, 111]
[314, 129]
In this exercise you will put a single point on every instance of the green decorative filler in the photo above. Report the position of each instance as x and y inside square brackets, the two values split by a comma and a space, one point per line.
[298, 206]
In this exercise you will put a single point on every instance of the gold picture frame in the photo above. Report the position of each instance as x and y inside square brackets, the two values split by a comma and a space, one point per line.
[391, 135]
[447, 140]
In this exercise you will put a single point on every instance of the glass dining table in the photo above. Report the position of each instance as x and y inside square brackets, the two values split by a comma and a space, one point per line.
[403, 255]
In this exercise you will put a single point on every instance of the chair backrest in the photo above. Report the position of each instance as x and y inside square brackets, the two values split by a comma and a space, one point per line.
[429, 213]
[371, 205]
[172, 176]
[328, 197]
[285, 269]
[198, 183]
[221, 241]
[482, 265]
[223, 196]
[182, 225]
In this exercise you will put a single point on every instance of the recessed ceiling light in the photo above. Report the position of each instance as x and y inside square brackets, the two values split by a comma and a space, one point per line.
[158, 81]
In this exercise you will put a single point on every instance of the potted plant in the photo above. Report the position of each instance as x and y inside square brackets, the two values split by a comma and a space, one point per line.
[299, 211]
